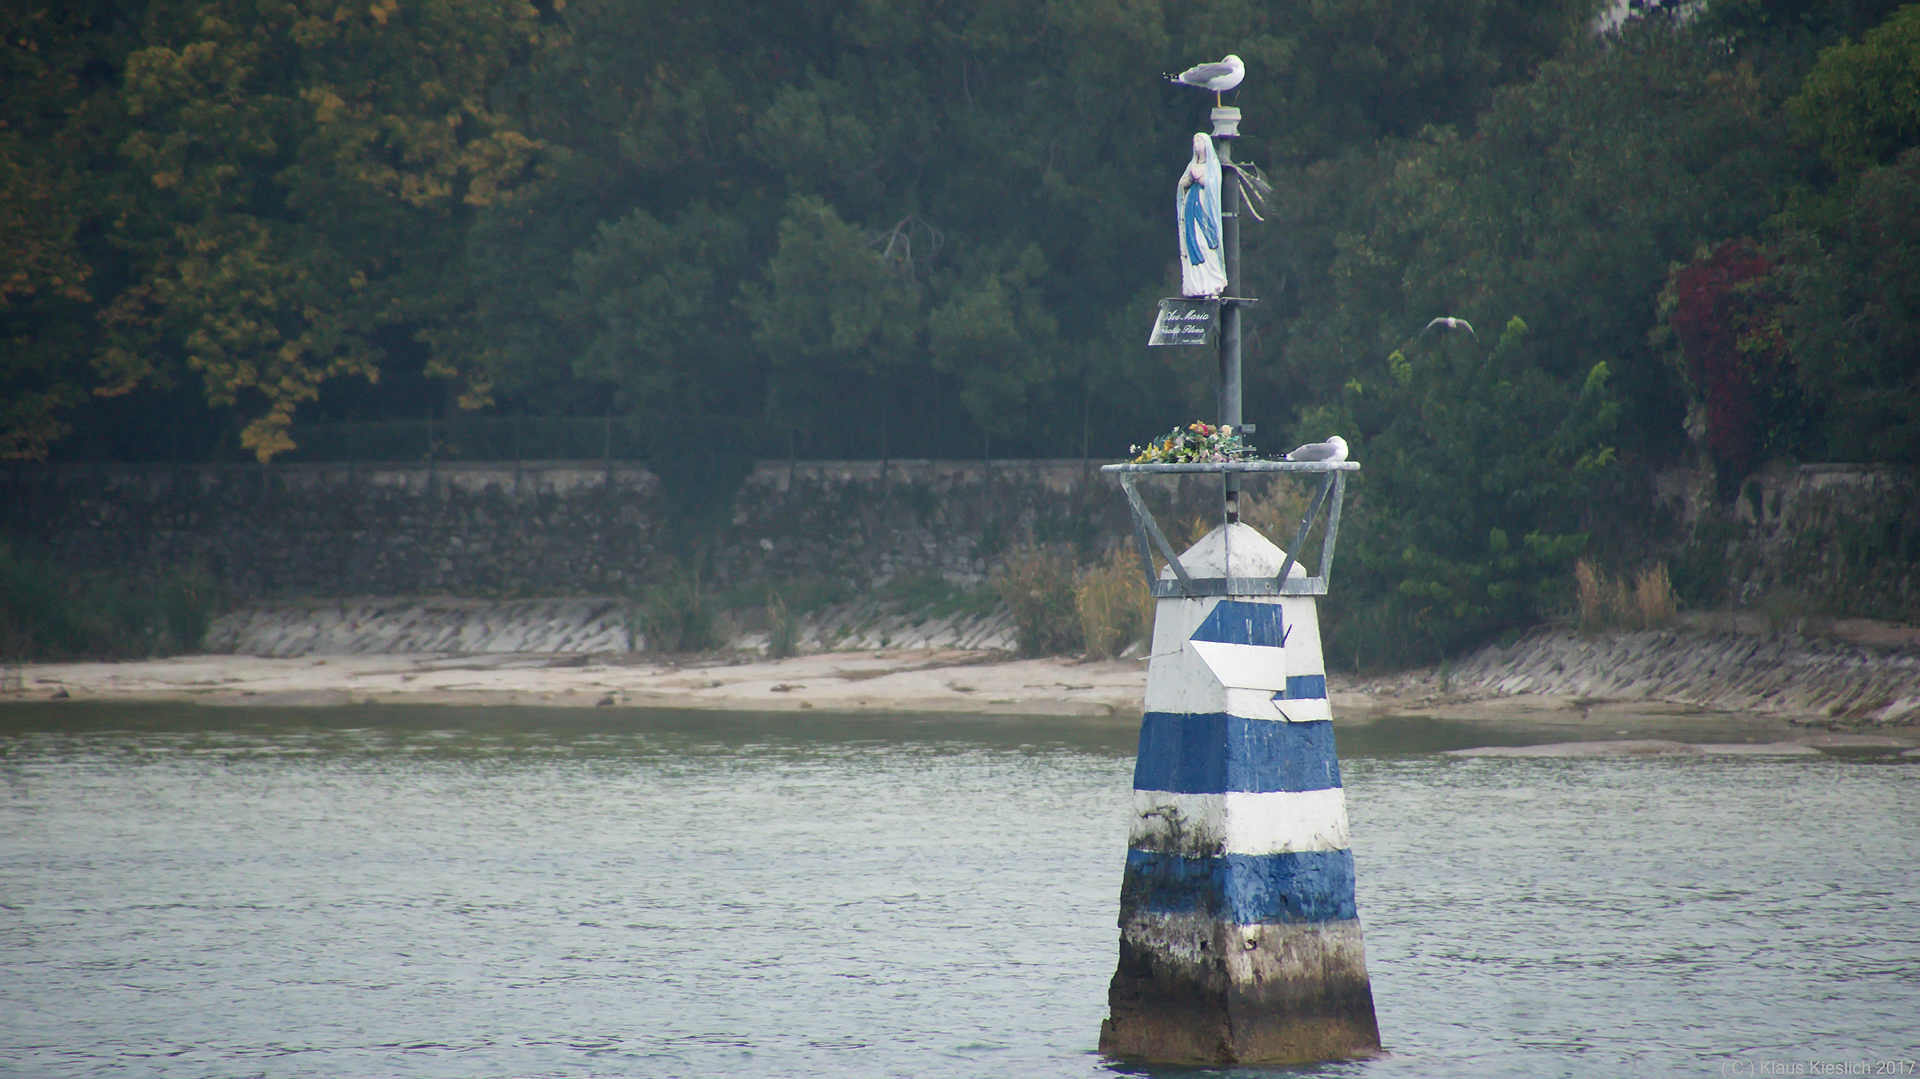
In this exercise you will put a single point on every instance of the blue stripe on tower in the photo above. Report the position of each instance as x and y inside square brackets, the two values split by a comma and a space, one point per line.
[1235, 621]
[1245, 889]
[1303, 687]
[1213, 752]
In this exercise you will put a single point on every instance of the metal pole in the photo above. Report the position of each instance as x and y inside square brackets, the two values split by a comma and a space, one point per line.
[1230, 399]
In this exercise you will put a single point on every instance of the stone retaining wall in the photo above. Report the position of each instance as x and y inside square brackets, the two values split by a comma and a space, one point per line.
[550, 528]
[1811, 539]
[1797, 540]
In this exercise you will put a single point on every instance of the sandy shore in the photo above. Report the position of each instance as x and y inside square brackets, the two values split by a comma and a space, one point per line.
[949, 681]
[904, 680]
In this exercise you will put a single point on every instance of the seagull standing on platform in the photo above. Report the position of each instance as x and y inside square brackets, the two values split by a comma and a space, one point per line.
[1333, 449]
[1219, 77]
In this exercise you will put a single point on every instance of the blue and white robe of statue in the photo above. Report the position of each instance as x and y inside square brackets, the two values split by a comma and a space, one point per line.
[1203, 269]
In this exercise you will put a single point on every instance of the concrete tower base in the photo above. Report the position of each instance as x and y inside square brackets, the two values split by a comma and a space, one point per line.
[1239, 937]
[1200, 991]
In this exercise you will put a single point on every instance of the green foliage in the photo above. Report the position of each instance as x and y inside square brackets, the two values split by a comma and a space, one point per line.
[1480, 466]
[1855, 321]
[935, 214]
[46, 613]
[1568, 202]
[674, 614]
[186, 601]
[642, 299]
[930, 595]
[1772, 24]
[47, 275]
[274, 193]
[952, 218]
[808, 594]
[1861, 102]
[1700, 572]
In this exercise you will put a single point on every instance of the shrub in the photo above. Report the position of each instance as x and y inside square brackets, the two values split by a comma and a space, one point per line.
[1113, 603]
[675, 615]
[46, 613]
[783, 629]
[186, 604]
[1038, 585]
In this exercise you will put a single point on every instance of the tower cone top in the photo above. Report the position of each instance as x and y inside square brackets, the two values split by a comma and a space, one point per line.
[1234, 550]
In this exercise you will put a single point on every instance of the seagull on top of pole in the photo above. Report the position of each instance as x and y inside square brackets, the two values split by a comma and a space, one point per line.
[1450, 323]
[1219, 77]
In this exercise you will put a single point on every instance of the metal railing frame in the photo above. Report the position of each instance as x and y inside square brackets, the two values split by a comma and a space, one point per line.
[1147, 534]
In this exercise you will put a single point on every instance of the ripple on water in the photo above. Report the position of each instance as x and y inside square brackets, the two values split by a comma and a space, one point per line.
[254, 895]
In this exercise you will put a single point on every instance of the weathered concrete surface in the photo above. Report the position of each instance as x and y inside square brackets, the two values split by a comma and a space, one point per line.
[1780, 675]
[590, 625]
[1196, 990]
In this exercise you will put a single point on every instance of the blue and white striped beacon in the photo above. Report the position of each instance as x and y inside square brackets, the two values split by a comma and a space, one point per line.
[1239, 939]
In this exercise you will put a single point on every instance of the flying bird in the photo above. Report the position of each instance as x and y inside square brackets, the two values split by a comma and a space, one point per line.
[1333, 449]
[1219, 77]
[1448, 323]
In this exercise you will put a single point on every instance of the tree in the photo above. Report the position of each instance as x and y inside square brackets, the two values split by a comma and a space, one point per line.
[1861, 102]
[53, 58]
[286, 186]
[1727, 311]
[1480, 467]
[1037, 146]
[644, 303]
[1855, 319]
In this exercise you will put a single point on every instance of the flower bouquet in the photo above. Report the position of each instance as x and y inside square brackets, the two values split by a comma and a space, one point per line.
[1193, 444]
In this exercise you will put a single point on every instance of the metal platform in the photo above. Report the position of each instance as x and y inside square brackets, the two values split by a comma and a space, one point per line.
[1147, 534]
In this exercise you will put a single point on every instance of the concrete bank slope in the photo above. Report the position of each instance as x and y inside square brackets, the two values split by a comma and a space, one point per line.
[573, 625]
[1703, 684]
[1672, 672]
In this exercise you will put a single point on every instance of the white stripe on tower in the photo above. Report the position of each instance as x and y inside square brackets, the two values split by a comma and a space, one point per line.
[1239, 822]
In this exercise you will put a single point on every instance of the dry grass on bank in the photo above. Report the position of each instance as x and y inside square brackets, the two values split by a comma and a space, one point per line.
[1060, 608]
[1606, 602]
[1113, 604]
[1276, 511]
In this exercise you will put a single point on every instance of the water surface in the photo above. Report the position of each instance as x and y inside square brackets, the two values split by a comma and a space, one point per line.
[402, 891]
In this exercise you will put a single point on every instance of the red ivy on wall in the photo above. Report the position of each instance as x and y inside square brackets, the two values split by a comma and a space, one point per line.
[1728, 316]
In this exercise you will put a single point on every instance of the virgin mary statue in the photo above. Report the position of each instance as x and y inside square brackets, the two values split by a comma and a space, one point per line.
[1203, 270]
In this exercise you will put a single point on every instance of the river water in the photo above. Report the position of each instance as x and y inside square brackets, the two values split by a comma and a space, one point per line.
[413, 891]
